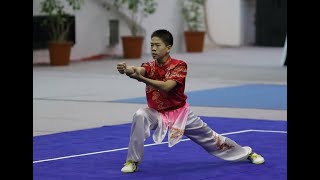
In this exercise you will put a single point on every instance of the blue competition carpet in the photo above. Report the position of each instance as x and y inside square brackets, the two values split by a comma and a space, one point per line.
[99, 153]
[256, 96]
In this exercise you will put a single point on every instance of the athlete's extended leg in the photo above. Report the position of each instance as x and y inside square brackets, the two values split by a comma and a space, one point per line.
[214, 143]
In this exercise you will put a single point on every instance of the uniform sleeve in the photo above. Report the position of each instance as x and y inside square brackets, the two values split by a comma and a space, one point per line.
[178, 73]
[147, 67]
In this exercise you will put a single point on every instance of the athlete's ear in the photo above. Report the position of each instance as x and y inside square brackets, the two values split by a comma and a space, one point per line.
[169, 48]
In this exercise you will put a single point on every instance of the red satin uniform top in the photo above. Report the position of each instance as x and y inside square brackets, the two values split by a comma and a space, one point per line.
[173, 69]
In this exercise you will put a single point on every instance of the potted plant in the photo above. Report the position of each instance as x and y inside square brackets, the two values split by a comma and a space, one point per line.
[136, 10]
[58, 24]
[194, 18]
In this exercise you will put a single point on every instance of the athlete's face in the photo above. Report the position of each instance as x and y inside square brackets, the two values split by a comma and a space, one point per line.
[158, 48]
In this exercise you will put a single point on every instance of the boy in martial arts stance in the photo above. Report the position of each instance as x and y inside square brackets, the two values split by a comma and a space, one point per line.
[168, 110]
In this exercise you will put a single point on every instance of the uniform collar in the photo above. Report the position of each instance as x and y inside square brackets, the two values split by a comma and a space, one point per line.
[165, 64]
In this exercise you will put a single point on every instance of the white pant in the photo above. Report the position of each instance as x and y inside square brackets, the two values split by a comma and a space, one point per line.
[198, 131]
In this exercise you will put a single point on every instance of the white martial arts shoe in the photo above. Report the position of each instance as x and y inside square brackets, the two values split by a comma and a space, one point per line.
[130, 167]
[253, 157]
[256, 158]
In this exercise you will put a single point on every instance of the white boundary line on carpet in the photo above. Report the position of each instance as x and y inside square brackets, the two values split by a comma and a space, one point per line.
[120, 149]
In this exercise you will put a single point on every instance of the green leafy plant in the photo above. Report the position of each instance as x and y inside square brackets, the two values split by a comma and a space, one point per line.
[193, 14]
[138, 9]
[58, 22]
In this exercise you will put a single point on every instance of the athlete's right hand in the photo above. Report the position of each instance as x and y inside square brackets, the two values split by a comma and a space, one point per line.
[121, 67]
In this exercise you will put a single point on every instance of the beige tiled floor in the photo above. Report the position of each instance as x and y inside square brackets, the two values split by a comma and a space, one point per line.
[79, 96]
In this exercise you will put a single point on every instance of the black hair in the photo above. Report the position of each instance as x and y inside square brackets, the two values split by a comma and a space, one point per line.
[164, 35]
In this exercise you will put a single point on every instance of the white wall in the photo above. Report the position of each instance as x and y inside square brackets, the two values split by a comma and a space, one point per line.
[230, 22]
[168, 17]
[91, 31]
[248, 11]
[91, 27]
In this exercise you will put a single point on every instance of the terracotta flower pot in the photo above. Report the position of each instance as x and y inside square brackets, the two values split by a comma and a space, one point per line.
[194, 41]
[60, 53]
[132, 46]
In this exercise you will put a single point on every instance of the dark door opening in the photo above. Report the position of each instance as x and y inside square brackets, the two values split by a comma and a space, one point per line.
[271, 22]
